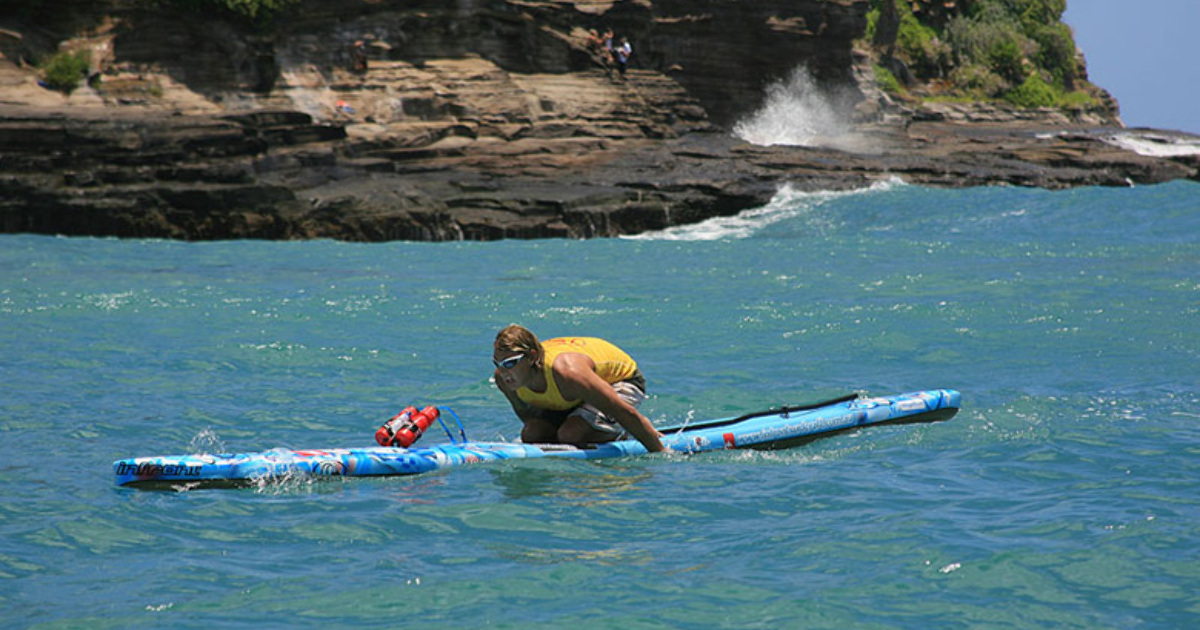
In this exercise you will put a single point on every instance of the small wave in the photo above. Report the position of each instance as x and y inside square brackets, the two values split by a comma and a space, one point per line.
[1153, 144]
[786, 204]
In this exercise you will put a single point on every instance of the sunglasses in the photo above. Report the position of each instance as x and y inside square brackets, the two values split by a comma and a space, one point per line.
[509, 363]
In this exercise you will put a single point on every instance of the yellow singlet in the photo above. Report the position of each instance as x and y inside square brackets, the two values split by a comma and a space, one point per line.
[612, 364]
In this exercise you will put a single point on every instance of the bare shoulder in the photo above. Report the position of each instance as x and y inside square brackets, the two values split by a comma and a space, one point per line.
[576, 375]
[573, 366]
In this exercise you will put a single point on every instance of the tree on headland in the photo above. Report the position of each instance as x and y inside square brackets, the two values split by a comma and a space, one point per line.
[1016, 50]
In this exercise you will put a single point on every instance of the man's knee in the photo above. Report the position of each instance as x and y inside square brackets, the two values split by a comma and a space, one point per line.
[577, 431]
[538, 433]
[571, 433]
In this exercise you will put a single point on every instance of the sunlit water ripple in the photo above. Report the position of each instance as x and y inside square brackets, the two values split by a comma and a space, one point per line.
[1064, 495]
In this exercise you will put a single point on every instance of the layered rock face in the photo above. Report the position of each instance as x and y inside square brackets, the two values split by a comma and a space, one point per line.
[477, 120]
[723, 52]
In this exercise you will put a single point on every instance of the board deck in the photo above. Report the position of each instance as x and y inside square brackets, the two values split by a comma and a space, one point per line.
[783, 427]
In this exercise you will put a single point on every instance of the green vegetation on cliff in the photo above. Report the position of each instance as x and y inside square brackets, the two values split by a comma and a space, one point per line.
[1016, 50]
[65, 70]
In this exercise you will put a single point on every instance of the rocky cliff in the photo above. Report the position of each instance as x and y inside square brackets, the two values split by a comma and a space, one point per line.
[478, 119]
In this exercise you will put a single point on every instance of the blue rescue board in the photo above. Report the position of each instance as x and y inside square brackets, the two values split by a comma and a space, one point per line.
[773, 429]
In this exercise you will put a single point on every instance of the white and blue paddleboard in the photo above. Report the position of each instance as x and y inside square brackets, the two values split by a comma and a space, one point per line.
[773, 429]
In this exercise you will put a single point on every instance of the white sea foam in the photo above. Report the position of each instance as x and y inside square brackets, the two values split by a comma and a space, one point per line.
[786, 204]
[796, 112]
[1154, 144]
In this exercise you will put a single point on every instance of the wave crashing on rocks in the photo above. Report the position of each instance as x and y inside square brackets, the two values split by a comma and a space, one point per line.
[797, 112]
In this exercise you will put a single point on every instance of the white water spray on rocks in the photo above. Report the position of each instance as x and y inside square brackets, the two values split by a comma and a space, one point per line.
[796, 112]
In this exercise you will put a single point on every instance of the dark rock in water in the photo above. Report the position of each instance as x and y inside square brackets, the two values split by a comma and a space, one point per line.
[488, 120]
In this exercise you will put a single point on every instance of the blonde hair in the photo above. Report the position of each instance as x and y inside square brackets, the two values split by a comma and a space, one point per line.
[515, 338]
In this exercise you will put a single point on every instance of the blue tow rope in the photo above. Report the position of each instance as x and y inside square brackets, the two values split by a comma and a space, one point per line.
[462, 431]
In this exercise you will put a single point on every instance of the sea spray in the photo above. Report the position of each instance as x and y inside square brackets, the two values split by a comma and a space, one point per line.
[796, 112]
[1155, 143]
[206, 441]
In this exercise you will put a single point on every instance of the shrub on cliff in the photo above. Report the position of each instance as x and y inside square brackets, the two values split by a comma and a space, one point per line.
[921, 44]
[978, 82]
[886, 81]
[918, 44]
[65, 70]
[1034, 92]
[1057, 53]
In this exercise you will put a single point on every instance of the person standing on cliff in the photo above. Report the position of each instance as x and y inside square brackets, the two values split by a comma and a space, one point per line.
[623, 53]
[571, 390]
[595, 48]
[608, 49]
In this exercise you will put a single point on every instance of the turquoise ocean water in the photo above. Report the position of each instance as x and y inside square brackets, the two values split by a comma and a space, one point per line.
[1066, 494]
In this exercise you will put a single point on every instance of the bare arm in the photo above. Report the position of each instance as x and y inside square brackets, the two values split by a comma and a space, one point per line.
[577, 379]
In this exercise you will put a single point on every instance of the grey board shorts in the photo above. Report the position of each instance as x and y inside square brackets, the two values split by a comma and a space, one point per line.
[632, 391]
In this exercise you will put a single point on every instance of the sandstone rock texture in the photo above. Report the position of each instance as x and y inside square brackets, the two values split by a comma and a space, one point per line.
[478, 119]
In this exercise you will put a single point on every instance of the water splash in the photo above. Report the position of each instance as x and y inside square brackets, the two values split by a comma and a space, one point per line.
[796, 112]
[206, 441]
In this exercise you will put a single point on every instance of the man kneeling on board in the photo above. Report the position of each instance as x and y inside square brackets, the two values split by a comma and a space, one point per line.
[571, 390]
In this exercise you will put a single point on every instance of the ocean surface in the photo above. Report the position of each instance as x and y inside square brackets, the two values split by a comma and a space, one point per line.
[1065, 494]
